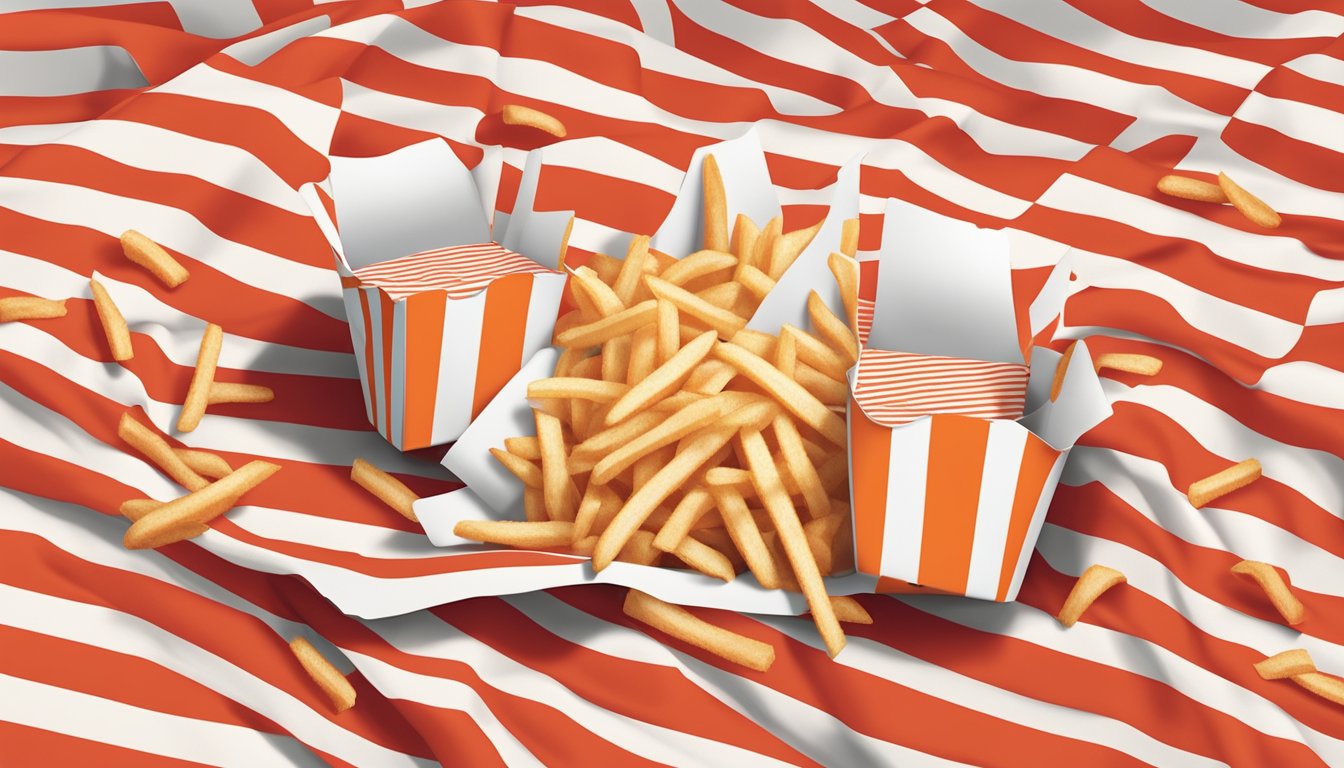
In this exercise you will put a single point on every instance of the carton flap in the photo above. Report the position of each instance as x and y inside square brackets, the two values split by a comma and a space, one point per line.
[1081, 404]
[405, 202]
[535, 234]
[943, 288]
[747, 188]
[439, 514]
[318, 200]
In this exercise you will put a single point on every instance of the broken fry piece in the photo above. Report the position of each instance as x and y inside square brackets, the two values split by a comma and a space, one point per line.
[1286, 664]
[1222, 483]
[1091, 585]
[198, 392]
[1191, 189]
[204, 463]
[1325, 686]
[1143, 365]
[30, 308]
[849, 611]
[327, 676]
[1275, 588]
[688, 628]
[1250, 206]
[225, 392]
[516, 114]
[148, 254]
[387, 488]
[177, 519]
[114, 325]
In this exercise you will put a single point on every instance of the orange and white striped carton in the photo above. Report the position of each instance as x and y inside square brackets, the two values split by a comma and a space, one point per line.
[955, 444]
[442, 310]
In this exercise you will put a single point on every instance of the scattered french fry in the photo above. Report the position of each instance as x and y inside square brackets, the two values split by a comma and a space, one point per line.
[1222, 483]
[225, 392]
[1286, 664]
[134, 509]
[688, 628]
[17, 308]
[849, 611]
[1250, 206]
[1091, 585]
[1143, 365]
[1191, 189]
[387, 488]
[183, 517]
[198, 393]
[1057, 385]
[154, 448]
[151, 256]
[525, 535]
[516, 114]
[114, 325]
[204, 463]
[327, 676]
[1327, 687]
[1275, 588]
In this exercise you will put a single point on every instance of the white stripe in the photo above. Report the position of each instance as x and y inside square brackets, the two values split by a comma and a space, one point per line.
[1306, 382]
[543, 308]
[1034, 529]
[311, 122]
[903, 532]
[1305, 122]
[372, 541]
[255, 50]
[998, 486]
[1240, 19]
[459, 357]
[1319, 66]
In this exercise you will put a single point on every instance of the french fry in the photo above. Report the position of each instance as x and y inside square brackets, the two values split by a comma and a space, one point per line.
[606, 267]
[556, 488]
[799, 466]
[704, 559]
[584, 546]
[198, 393]
[723, 295]
[225, 392]
[818, 354]
[154, 448]
[786, 352]
[177, 519]
[328, 677]
[603, 298]
[709, 378]
[523, 447]
[849, 237]
[114, 325]
[148, 254]
[387, 488]
[716, 207]
[1327, 687]
[615, 359]
[755, 281]
[1275, 588]
[632, 269]
[204, 463]
[638, 550]
[517, 533]
[667, 431]
[1094, 581]
[609, 327]
[846, 272]
[643, 355]
[662, 380]
[683, 625]
[849, 611]
[826, 389]
[574, 387]
[134, 509]
[1061, 368]
[516, 114]
[17, 308]
[717, 318]
[1191, 189]
[832, 329]
[785, 517]
[1285, 664]
[822, 551]
[1143, 365]
[1250, 206]
[765, 245]
[669, 326]
[786, 391]
[696, 265]
[692, 507]
[786, 249]
[745, 233]
[522, 469]
[1222, 483]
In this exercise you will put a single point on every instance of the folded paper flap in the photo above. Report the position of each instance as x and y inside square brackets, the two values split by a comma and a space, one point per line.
[943, 288]
[1049, 302]
[747, 189]
[318, 198]
[895, 388]
[404, 202]
[438, 515]
[786, 303]
[538, 235]
[1081, 405]
[460, 270]
[508, 414]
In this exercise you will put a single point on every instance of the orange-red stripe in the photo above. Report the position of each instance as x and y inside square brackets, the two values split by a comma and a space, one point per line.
[956, 461]
[869, 456]
[502, 330]
[1037, 459]
[424, 345]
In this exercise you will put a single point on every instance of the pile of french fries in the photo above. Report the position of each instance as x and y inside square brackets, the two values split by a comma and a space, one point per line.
[672, 435]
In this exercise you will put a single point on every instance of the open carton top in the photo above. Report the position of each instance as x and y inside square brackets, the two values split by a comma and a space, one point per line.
[944, 290]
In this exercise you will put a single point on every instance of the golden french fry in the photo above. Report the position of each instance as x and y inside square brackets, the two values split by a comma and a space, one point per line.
[716, 207]
[730, 476]
[198, 392]
[704, 559]
[1191, 189]
[786, 352]
[800, 467]
[788, 247]
[1250, 206]
[846, 272]
[692, 630]
[692, 507]
[745, 233]
[609, 327]
[587, 453]
[698, 264]
[523, 447]
[17, 308]
[1285, 664]
[534, 505]
[849, 237]
[765, 245]
[564, 388]
[584, 546]
[1222, 483]
[1143, 365]
[669, 327]
[516, 114]
[662, 380]
[204, 463]
[589, 506]
[723, 295]
[517, 533]
[831, 328]
[709, 378]
[1094, 581]
[522, 469]
[615, 359]
[755, 281]
[134, 509]
[556, 488]
[638, 550]
[114, 325]
[757, 343]
[603, 298]
[328, 677]
[154, 448]
[387, 488]
[632, 269]
[176, 519]
[606, 267]
[849, 610]
[826, 389]
[1060, 369]
[822, 551]
[785, 517]
[818, 354]
[718, 318]
[643, 354]
[1275, 588]
[667, 431]
[148, 254]
[224, 392]
[785, 390]
[1325, 686]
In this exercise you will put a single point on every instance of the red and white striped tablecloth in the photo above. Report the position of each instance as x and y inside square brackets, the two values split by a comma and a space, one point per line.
[195, 121]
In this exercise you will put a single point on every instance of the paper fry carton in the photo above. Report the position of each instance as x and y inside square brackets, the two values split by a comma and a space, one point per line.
[442, 310]
[955, 445]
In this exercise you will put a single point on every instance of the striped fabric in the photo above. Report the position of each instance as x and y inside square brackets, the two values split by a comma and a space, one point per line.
[895, 388]
[196, 122]
[460, 271]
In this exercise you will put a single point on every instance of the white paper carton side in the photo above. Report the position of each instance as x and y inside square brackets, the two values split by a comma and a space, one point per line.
[324, 222]
[1041, 377]
[1049, 303]
[787, 301]
[438, 515]
[747, 189]
[487, 174]
[535, 234]
[405, 202]
[507, 415]
[943, 288]
[1081, 404]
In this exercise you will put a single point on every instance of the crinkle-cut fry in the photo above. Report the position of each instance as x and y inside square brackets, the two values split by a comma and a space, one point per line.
[523, 447]
[602, 296]
[785, 517]
[1327, 687]
[849, 237]
[204, 463]
[17, 308]
[680, 623]
[743, 239]
[1285, 664]
[327, 676]
[632, 269]
[1275, 587]
[709, 378]
[669, 331]
[1187, 188]
[698, 264]
[1091, 585]
[787, 247]
[826, 389]
[198, 392]
[522, 469]
[716, 206]
[176, 519]
[643, 355]
[846, 272]
[689, 510]
[1250, 206]
[832, 329]
[534, 505]
[642, 502]
[1061, 368]
[705, 559]
[626, 321]
[157, 450]
[227, 392]
[717, 318]
[134, 509]
[556, 487]
[1143, 365]
[517, 533]
[570, 387]
[662, 381]
[818, 354]
[1219, 484]
[849, 610]
[755, 281]
[114, 325]
[639, 549]
[786, 391]
[151, 256]
[799, 466]
[666, 431]
[387, 488]
[517, 114]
